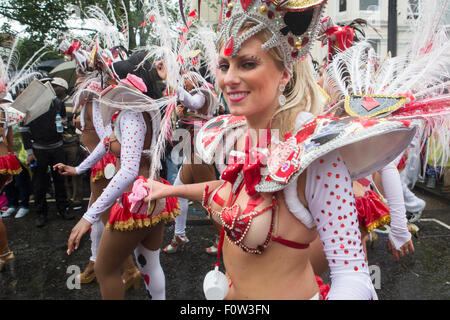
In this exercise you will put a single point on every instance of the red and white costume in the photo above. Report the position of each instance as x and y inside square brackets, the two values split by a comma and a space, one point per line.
[323, 146]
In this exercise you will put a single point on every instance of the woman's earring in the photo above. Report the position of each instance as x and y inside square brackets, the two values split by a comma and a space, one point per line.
[282, 98]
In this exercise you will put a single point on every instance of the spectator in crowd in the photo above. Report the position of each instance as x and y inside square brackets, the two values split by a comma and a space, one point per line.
[44, 146]
[74, 156]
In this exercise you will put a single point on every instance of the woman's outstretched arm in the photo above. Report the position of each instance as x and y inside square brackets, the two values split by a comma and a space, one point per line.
[192, 192]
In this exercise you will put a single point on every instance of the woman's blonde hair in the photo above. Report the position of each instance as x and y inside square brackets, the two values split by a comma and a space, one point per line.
[301, 91]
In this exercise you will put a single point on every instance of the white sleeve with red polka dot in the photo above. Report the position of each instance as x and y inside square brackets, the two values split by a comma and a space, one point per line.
[96, 155]
[132, 129]
[99, 151]
[97, 120]
[331, 202]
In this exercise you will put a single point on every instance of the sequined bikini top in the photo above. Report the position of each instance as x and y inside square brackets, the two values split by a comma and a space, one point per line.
[250, 228]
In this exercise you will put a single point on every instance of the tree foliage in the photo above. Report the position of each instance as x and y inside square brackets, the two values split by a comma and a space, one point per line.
[46, 20]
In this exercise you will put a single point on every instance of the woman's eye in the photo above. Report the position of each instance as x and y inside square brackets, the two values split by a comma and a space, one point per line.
[249, 65]
[223, 67]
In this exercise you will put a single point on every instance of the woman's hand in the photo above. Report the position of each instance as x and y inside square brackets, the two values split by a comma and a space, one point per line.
[406, 249]
[65, 170]
[75, 236]
[157, 190]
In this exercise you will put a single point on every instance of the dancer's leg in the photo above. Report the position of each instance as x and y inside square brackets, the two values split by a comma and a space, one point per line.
[3, 239]
[147, 256]
[115, 246]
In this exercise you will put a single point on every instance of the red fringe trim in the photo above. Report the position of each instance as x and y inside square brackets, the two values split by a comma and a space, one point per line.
[372, 212]
[97, 170]
[122, 219]
[10, 165]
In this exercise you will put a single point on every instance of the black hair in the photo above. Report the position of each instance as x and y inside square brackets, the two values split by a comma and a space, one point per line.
[147, 72]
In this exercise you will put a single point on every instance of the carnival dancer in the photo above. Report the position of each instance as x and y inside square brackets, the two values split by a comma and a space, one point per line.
[129, 227]
[90, 74]
[9, 165]
[93, 132]
[372, 204]
[261, 197]
[199, 105]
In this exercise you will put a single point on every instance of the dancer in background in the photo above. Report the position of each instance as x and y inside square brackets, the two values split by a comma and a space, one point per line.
[199, 105]
[129, 228]
[9, 164]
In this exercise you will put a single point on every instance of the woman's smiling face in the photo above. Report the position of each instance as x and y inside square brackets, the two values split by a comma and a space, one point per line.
[250, 80]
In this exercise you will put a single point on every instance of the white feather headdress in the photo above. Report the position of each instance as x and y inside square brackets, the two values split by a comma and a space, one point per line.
[414, 85]
[10, 76]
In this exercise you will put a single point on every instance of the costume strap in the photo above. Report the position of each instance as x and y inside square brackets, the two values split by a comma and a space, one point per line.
[219, 248]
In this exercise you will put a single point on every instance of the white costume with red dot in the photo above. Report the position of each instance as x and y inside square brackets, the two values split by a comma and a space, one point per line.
[102, 132]
[132, 128]
[332, 210]
[331, 201]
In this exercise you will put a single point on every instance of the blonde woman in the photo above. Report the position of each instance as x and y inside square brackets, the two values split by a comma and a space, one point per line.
[275, 197]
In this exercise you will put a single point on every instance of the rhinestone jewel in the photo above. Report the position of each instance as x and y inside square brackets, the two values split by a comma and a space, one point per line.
[229, 47]
[305, 41]
[245, 3]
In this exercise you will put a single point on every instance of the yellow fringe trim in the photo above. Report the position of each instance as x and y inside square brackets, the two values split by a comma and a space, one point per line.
[132, 224]
[99, 175]
[378, 223]
[11, 172]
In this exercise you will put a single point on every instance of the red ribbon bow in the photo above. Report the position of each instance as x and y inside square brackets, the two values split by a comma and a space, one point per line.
[250, 165]
[344, 38]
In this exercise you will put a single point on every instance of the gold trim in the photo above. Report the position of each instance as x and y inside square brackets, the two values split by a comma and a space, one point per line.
[378, 223]
[324, 95]
[11, 172]
[349, 110]
[99, 175]
[132, 224]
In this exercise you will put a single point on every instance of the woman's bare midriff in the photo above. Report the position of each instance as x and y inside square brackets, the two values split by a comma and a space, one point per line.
[3, 149]
[279, 273]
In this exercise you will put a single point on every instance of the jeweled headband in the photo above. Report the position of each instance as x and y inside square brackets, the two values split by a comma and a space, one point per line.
[294, 25]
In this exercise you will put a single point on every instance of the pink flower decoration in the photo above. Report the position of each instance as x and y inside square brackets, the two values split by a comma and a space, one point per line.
[95, 86]
[137, 195]
[135, 81]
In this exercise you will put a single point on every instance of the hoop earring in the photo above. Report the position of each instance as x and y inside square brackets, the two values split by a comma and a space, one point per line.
[282, 98]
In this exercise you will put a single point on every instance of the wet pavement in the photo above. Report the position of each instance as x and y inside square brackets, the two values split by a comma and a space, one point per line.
[40, 269]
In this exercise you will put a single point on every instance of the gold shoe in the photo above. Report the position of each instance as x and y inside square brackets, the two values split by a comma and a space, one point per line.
[413, 229]
[4, 258]
[88, 275]
[132, 278]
